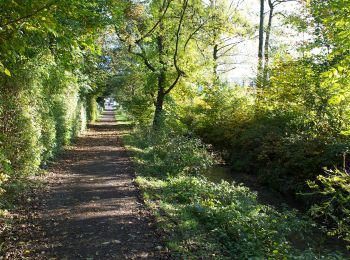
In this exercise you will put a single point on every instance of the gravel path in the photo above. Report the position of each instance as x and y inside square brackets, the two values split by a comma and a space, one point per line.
[91, 209]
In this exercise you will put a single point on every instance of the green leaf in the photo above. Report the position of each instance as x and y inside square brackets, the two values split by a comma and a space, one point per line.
[7, 72]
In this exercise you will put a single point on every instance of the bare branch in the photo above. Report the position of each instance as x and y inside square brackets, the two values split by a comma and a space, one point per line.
[229, 44]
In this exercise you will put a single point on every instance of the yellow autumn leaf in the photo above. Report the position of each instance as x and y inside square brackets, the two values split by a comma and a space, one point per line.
[7, 72]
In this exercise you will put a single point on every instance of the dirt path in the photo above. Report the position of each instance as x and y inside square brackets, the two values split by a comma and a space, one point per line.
[91, 209]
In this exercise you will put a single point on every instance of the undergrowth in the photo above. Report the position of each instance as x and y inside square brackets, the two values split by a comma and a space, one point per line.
[214, 221]
[16, 193]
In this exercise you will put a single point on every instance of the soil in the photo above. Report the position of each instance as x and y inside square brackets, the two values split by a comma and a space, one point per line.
[90, 207]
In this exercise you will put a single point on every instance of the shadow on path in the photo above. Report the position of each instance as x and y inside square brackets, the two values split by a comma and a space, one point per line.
[92, 210]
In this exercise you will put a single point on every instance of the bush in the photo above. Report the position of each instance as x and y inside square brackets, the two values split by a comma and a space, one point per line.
[332, 202]
[40, 112]
[19, 139]
[5, 171]
[283, 146]
[214, 220]
[169, 153]
[282, 151]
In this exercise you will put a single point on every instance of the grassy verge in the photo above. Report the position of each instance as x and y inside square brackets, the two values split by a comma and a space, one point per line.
[214, 221]
[122, 117]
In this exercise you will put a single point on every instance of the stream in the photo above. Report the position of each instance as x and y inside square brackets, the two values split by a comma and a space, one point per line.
[217, 173]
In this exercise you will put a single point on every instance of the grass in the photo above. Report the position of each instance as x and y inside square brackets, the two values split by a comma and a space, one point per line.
[122, 117]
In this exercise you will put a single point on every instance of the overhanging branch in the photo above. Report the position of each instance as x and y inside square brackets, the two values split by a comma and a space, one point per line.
[48, 5]
[180, 73]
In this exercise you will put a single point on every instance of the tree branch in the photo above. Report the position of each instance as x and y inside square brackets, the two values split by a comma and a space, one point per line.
[156, 24]
[48, 5]
[179, 71]
[194, 32]
[229, 44]
[143, 56]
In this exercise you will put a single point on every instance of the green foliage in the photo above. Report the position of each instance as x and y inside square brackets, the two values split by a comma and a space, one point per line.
[167, 153]
[298, 126]
[221, 221]
[35, 122]
[19, 140]
[216, 114]
[92, 108]
[47, 59]
[287, 136]
[331, 193]
[5, 170]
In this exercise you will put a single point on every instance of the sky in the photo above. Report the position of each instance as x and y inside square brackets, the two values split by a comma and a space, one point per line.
[247, 52]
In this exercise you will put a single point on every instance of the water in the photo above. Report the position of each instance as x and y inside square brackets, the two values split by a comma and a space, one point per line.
[218, 173]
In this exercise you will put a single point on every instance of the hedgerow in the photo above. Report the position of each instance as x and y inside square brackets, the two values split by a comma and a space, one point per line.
[47, 57]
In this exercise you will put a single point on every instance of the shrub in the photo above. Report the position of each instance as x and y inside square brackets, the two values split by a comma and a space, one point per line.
[332, 202]
[226, 221]
[169, 153]
[283, 146]
[40, 112]
[282, 151]
[19, 138]
[202, 218]
[5, 171]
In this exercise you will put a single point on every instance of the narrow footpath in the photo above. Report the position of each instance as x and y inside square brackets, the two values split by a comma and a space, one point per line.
[91, 209]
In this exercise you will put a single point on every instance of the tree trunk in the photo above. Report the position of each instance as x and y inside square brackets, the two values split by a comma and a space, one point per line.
[215, 44]
[157, 119]
[215, 65]
[161, 80]
[261, 44]
[267, 43]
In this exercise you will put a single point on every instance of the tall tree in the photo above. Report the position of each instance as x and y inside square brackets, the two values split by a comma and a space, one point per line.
[160, 41]
[226, 28]
[261, 44]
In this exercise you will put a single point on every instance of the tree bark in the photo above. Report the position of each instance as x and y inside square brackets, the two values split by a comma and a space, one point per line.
[157, 119]
[267, 43]
[261, 44]
[215, 44]
[215, 65]
[161, 79]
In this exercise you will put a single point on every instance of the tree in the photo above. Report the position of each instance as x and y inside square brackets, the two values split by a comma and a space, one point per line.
[45, 47]
[261, 44]
[160, 42]
[225, 27]
[264, 44]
